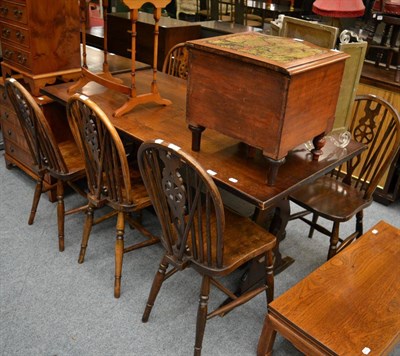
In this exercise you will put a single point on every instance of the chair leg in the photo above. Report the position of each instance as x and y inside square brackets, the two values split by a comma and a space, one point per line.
[60, 214]
[119, 253]
[269, 266]
[86, 233]
[359, 223]
[155, 288]
[314, 222]
[202, 314]
[36, 198]
[334, 240]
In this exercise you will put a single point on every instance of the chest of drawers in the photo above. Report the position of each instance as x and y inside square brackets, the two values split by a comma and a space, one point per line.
[40, 40]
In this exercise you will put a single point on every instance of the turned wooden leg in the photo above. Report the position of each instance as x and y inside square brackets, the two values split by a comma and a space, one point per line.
[155, 288]
[269, 279]
[202, 314]
[86, 233]
[36, 198]
[60, 214]
[119, 253]
[334, 240]
[318, 142]
[273, 168]
[359, 223]
[196, 136]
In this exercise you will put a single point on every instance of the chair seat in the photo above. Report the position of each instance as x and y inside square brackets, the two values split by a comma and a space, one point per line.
[72, 157]
[331, 199]
[243, 241]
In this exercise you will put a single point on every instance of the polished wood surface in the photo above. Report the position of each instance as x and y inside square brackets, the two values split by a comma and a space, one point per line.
[198, 232]
[40, 39]
[280, 114]
[16, 150]
[224, 156]
[112, 181]
[342, 197]
[171, 32]
[60, 159]
[349, 304]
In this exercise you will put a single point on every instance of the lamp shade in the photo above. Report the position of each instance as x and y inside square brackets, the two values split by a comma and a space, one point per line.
[339, 8]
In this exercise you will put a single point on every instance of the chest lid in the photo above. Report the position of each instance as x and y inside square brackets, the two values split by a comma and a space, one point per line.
[286, 55]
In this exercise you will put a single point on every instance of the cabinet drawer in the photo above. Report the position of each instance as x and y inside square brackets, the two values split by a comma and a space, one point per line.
[17, 56]
[13, 11]
[13, 133]
[18, 35]
[18, 153]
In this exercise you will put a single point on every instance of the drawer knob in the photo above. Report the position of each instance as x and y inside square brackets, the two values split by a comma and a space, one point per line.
[21, 58]
[6, 115]
[6, 32]
[4, 10]
[9, 132]
[4, 95]
[8, 54]
[17, 13]
[20, 36]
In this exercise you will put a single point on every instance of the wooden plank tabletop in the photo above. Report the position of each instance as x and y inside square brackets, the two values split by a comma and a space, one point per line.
[219, 153]
[351, 304]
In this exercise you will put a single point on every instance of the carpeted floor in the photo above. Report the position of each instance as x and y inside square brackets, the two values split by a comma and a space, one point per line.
[50, 305]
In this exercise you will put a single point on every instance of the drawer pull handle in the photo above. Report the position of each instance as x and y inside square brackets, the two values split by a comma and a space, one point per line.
[4, 10]
[4, 95]
[6, 115]
[12, 149]
[17, 13]
[21, 59]
[8, 54]
[20, 36]
[6, 32]
[9, 132]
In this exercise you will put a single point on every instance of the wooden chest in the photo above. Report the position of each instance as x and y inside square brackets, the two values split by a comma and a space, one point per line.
[272, 93]
[40, 40]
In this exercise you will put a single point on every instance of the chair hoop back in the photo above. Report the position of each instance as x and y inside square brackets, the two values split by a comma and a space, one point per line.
[106, 164]
[176, 61]
[38, 135]
[187, 202]
[377, 124]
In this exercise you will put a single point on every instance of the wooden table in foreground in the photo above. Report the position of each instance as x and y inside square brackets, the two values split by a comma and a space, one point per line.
[220, 154]
[348, 306]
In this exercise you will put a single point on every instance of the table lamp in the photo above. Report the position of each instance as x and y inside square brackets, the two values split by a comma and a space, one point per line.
[336, 9]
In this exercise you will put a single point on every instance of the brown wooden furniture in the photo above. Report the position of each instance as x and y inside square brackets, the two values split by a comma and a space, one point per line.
[198, 232]
[60, 159]
[40, 40]
[279, 114]
[171, 32]
[176, 61]
[111, 181]
[348, 306]
[380, 82]
[347, 192]
[16, 150]
[223, 156]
